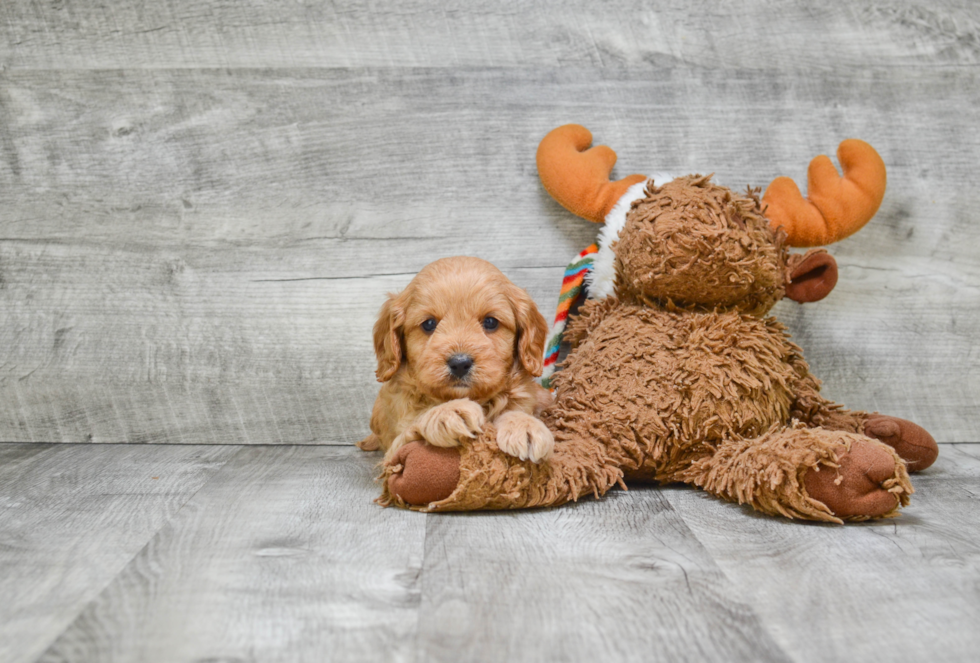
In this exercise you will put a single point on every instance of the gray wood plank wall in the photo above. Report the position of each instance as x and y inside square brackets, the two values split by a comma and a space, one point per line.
[202, 204]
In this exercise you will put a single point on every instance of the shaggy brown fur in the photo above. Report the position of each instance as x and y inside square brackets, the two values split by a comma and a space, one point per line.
[682, 377]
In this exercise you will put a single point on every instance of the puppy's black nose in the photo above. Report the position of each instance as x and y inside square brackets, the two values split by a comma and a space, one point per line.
[460, 365]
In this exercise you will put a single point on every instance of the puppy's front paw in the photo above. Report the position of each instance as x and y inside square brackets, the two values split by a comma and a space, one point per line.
[519, 434]
[451, 423]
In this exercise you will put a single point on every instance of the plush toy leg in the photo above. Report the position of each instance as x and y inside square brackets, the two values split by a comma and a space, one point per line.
[808, 473]
[910, 441]
[478, 476]
[813, 410]
[421, 473]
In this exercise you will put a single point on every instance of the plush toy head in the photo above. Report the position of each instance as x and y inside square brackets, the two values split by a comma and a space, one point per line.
[693, 244]
[689, 243]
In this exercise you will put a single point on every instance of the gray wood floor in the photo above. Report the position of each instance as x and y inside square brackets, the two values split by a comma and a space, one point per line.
[202, 204]
[277, 553]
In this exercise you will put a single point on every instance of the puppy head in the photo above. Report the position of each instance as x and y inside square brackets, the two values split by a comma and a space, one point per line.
[461, 329]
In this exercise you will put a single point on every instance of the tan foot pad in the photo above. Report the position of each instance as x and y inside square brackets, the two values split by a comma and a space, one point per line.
[860, 487]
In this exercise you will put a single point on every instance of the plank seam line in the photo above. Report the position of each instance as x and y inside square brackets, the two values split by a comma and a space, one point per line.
[239, 444]
[762, 624]
[179, 444]
[372, 276]
[418, 608]
[149, 540]
[331, 278]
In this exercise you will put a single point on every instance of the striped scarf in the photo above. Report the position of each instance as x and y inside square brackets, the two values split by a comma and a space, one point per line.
[572, 290]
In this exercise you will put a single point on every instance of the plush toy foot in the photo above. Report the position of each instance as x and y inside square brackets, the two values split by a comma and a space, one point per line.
[859, 487]
[910, 441]
[424, 473]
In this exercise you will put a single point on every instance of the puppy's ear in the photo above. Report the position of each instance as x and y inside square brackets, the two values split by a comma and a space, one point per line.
[532, 332]
[388, 337]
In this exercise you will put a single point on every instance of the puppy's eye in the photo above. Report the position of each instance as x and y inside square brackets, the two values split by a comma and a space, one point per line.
[490, 323]
[429, 325]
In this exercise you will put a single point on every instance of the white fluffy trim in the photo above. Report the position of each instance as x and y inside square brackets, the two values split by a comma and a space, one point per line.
[601, 281]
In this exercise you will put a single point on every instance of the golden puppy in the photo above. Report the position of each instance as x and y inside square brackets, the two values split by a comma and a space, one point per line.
[460, 346]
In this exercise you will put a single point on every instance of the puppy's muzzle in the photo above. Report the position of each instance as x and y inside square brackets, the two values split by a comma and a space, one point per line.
[460, 365]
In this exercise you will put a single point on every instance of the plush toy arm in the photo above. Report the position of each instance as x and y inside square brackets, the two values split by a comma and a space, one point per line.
[479, 476]
[814, 410]
[910, 441]
[836, 206]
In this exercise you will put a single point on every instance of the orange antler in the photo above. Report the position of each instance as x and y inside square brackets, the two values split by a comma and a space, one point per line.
[578, 177]
[835, 207]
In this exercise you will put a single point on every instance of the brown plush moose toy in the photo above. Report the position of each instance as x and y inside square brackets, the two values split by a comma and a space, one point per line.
[676, 371]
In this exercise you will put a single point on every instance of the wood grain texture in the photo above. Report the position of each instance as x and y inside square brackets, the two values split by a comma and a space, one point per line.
[906, 589]
[411, 33]
[282, 556]
[619, 579]
[72, 517]
[203, 203]
[198, 255]
[214, 367]
[337, 159]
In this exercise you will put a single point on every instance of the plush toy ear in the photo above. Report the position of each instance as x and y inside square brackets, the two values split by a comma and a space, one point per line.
[388, 337]
[532, 332]
[812, 276]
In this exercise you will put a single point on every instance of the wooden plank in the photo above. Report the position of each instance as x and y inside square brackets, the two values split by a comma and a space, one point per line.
[223, 360]
[247, 412]
[210, 362]
[893, 337]
[904, 589]
[281, 557]
[413, 33]
[72, 517]
[206, 250]
[337, 159]
[621, 579]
